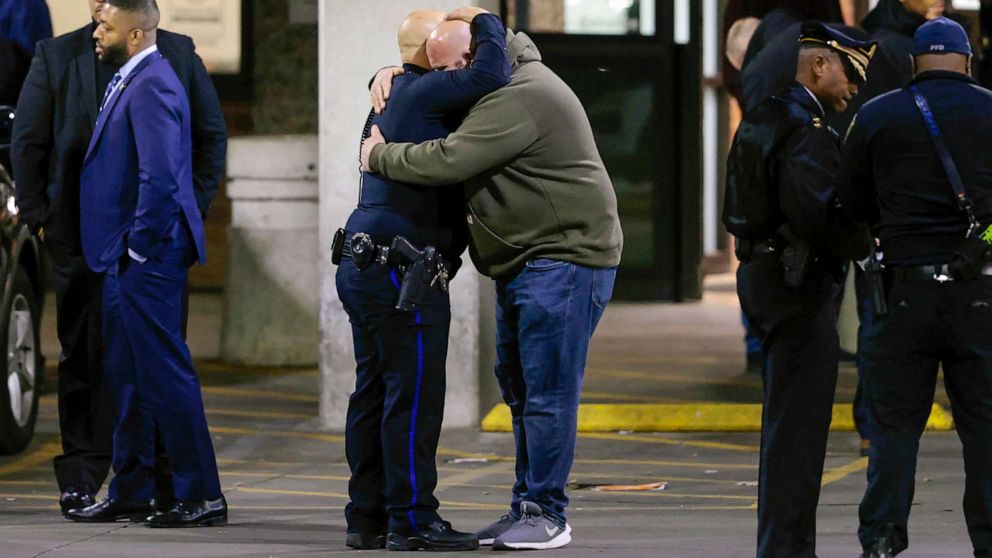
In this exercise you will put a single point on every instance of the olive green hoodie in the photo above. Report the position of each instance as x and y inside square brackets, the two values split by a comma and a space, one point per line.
[535, 183]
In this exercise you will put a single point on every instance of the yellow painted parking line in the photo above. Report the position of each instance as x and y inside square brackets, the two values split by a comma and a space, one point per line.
[611, 494]
[630, 398]
[213, 411]
[680, 378]
[259, 393]
[277, 476]
[42, 454]
[661, 508]
[668, 463]
[29, 497]
[669, 441]
[467, 478]
[215, 366]
[844, 471]
[318, 436]
[266, 463]
[643, 478]
[614, 359]
[252, 490]
[340, 496]
[24, 483]
[688, 417]
[331, 438]
[668, 494]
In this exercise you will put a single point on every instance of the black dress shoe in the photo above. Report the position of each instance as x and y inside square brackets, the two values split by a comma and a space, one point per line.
[365, 541]
[438, 537]
[164, 503]
[76, 497]
[108, 511]
[881, 548]
[205, 513]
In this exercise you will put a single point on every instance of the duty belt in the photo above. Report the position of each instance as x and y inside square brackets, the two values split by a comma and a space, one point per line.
[744, 248]
[365, 250]
[380, 249]
[939, 273]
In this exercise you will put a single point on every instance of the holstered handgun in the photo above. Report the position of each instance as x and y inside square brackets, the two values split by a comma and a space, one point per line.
[796, 258]
[876, 274]
[421, 270]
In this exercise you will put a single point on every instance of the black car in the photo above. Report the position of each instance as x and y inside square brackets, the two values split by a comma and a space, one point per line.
[24, 269]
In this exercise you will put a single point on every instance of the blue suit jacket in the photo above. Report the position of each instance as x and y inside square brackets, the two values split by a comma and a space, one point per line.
[136, 189]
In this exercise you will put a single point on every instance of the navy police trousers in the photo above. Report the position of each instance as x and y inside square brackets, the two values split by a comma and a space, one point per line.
[798, 332]
[395, 412]
[929, 326]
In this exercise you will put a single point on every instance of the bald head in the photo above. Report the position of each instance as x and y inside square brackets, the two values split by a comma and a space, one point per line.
[413, 34]
[738, 37]
[450, 46]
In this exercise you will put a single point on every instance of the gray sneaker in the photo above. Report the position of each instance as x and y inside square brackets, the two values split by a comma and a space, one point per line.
[489, 534]
[533, 531]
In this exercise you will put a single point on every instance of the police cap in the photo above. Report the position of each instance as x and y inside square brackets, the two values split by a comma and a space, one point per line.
[855, 54]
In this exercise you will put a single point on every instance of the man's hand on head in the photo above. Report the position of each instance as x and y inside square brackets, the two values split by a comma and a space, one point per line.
[382, 84]
[373, 140]
[466, 14]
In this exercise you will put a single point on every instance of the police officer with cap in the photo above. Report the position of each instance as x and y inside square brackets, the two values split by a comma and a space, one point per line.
[793, 245]
[917, 168]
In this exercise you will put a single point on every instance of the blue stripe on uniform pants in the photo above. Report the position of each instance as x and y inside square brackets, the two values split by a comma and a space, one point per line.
[413, 422]
[394, 415]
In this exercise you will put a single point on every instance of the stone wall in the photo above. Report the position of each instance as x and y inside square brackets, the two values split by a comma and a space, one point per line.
[285, 70]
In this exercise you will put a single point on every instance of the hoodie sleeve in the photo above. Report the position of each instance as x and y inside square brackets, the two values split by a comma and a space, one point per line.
[496, 130]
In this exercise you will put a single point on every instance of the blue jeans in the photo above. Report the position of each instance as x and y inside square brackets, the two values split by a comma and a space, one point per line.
[545, 316]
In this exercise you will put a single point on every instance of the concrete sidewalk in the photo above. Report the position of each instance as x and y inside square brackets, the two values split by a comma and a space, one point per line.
[286, 480]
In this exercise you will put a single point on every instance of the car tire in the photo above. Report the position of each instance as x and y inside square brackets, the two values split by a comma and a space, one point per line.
[21, 365]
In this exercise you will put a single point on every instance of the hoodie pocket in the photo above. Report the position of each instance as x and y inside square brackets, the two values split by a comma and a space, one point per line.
[489, 245]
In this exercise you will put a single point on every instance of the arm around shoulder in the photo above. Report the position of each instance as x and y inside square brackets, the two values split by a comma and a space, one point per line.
[496, 130]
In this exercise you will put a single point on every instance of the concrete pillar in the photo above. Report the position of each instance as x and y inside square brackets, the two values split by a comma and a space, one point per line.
[355, 41]
[271, 294]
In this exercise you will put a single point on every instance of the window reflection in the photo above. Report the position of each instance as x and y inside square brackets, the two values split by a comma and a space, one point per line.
[583, 17]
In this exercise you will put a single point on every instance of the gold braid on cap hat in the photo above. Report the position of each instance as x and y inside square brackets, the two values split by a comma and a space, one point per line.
[859, 57]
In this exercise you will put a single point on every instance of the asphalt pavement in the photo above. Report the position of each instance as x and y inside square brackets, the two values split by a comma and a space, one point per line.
[633, 493]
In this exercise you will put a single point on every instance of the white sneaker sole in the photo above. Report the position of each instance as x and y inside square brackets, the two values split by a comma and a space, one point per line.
[559, 541]
[486, 542]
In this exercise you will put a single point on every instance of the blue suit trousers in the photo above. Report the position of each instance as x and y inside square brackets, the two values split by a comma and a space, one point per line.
[150, 372]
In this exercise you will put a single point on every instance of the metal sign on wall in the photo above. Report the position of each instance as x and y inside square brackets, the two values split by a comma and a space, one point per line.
[215, 26]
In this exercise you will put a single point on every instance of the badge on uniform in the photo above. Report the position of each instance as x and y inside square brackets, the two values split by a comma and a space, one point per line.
[817, 122]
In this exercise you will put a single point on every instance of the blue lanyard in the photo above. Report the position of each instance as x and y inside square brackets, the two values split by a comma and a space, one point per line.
[953, 176]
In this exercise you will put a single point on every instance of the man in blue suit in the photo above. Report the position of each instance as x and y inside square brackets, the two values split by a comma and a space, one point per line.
[141, 228]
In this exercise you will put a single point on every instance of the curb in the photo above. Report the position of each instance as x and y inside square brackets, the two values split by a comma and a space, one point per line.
[690, 417]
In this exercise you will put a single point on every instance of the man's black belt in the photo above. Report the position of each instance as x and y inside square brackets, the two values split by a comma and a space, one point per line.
[744, 248]
[938, 272]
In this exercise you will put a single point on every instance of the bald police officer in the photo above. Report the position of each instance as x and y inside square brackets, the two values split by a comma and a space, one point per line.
[917, 169]
[782, 175]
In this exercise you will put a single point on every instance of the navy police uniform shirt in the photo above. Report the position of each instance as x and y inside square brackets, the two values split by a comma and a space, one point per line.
[893, 177]
[424, 106]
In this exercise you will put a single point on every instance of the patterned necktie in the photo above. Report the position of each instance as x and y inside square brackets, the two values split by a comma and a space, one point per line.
[110, 89]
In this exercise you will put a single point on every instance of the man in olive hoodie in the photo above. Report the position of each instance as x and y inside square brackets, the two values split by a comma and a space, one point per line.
[542, 217]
